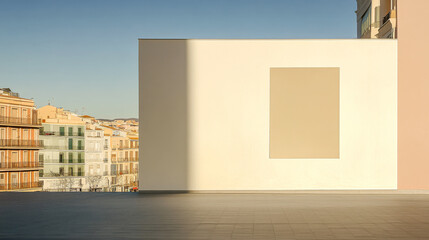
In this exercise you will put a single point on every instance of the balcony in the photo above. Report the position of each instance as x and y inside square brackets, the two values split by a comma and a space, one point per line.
[20, 165]
[386, 18]
[20, 144]
[117, 160]
[388, 26]
[64, 161]
[77, 148]
[20, 122]
[17, 186]
[61, 134]
[122, 172]
[73, 174]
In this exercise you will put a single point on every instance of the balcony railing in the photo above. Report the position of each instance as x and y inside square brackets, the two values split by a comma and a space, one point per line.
[16, 186]
[64, 147]
[61, 134]
[9, 165]
[121, 172]
[19, 121]
[386, 18]
[10, 143]
[65, 161]
[125, 159]
[74, 174]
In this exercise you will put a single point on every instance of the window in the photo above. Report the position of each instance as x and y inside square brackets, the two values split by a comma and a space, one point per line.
[61, 171]
[61, 157]
[2, 159]
[70, 157]
[3, 112]
[79, 132]
[70, 144]
[70, 131]
[3, 133]
[2, 178]
[71, 171]
[25, 157]
[79, 172]
[62, 131]
[366, 22]
[79, 158]
[25, 175]
[79, 145]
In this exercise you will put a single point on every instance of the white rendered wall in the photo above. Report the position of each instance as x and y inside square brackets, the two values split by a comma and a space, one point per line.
[204, 105]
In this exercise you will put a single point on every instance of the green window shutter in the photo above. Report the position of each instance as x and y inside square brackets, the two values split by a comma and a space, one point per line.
[70, 144]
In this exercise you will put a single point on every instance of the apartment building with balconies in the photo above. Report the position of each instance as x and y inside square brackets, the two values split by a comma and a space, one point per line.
[376, 18]
[63, 134]
[96, 167]
[124, 159]
[19, 143]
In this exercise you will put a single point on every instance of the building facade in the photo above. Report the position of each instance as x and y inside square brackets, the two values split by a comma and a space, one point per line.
[96, 167]
[376, 18]
[19, 143]
[274, 115]
[124, 167]
[63, 134]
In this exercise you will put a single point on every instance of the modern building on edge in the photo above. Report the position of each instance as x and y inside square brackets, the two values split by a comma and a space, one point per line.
[278, 115]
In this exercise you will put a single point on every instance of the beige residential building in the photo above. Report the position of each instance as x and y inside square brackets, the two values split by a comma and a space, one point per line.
[123, 157]
[376, 19]
[63, 134]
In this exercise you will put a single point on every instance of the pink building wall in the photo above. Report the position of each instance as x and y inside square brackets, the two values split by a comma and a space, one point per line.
[413, 95]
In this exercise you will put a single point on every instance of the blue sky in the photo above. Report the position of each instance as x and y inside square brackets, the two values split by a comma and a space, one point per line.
[82, 54]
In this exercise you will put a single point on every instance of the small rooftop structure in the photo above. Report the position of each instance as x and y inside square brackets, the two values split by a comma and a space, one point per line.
[8, 92]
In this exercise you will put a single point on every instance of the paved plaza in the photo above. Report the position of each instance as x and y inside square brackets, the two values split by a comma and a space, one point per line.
[213, 216]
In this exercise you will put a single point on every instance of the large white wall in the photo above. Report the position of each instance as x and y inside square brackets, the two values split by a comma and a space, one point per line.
[204, 107]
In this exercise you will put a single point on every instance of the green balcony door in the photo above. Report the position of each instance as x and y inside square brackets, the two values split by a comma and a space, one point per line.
[61, 157]
[70, 157]
[79, 131]
[62, 131]
[70, 131]
[70, 144]
[79, 145]
[79, 158]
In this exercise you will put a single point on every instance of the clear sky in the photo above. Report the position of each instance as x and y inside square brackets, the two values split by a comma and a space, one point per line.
[82, 54]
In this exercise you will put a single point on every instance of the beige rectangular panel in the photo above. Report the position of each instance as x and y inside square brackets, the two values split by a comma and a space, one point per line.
[304, 113]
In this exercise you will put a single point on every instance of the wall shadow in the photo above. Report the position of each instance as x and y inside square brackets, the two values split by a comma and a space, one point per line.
[163, 113]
